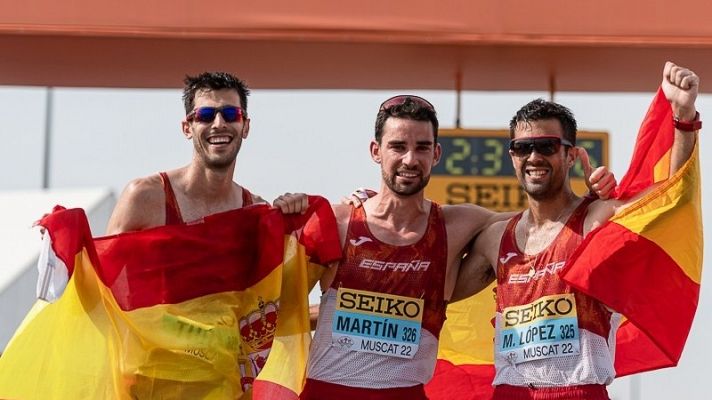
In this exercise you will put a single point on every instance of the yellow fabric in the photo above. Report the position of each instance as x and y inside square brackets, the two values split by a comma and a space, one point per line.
[191, 349]
[467, 335]
[661, 170]
[187, 350]
[70, 370]
[678, 199]
[286, 365]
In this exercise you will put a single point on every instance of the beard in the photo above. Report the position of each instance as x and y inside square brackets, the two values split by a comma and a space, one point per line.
[545, 191]
[540, 191]
[221, 161]
[404, 190]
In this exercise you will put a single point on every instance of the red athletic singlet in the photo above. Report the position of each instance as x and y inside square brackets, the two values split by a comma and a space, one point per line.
[549, 335]
[173, 215]
[379, 323]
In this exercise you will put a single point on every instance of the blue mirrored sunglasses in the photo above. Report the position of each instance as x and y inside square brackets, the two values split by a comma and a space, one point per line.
[208, 114]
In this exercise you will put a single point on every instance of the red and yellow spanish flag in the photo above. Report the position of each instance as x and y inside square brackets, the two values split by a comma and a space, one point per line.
[465, 366]
[651, 268]
[175, 312]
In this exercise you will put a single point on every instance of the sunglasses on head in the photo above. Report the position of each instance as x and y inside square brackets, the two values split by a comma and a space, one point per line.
[402, 98]
[544, 145]
[208, 114]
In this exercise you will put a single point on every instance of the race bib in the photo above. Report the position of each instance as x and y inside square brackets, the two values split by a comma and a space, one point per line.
[377, 323]
[545, 328]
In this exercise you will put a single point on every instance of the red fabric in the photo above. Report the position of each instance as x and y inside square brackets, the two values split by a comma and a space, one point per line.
[62, 225]
[633, 275]
[166, 265]
[462, 382]
[318, 390]
[246, 197]
[648, 274]
[582, 392]
[655, 138]
[315, 227]
[173, 215]
[636, 352]
[263, 389]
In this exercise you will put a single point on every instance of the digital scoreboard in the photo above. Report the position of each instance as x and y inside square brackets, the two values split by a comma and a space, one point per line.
[475, 167]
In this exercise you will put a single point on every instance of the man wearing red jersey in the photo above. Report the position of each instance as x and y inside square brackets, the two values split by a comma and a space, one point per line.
[384, 305]
[552, 341]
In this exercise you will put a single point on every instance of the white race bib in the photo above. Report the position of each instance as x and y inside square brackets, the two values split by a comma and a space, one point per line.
[545, 328]
[377, 323]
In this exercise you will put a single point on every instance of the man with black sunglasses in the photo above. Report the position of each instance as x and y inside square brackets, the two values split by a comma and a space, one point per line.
[383, 306]
[216, 122]
[528, 251]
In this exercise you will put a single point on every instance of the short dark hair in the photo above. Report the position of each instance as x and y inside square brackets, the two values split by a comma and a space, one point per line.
[213, 81]
[541, 109]
[409, 109]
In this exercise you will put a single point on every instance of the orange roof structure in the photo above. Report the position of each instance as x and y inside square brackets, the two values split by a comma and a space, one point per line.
[606, 45]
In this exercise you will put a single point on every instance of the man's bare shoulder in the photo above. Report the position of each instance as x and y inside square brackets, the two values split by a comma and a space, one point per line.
[140, 206]
[257, 199]
[342, 212]
[144, 188]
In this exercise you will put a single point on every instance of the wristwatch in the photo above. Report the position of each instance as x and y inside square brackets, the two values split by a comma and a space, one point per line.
[688, 126]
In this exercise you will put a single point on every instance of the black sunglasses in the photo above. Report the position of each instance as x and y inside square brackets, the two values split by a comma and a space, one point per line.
[208, 114]
[402, 98]
[544, 145]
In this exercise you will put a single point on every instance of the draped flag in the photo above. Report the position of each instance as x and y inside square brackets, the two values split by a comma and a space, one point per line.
[465, 366]
[650, 272]
[175, 312]
[651, 268]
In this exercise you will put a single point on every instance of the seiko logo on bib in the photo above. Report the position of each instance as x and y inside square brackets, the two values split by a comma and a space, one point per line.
[377, 323]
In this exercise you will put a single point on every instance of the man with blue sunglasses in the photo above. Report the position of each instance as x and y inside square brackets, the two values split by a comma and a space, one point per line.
[216, 123]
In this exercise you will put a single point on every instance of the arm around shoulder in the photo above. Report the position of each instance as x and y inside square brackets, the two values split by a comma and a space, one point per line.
[477, 269]
[467, 220]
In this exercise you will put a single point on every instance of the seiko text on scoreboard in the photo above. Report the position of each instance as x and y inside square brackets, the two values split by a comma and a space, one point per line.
[476, 168]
